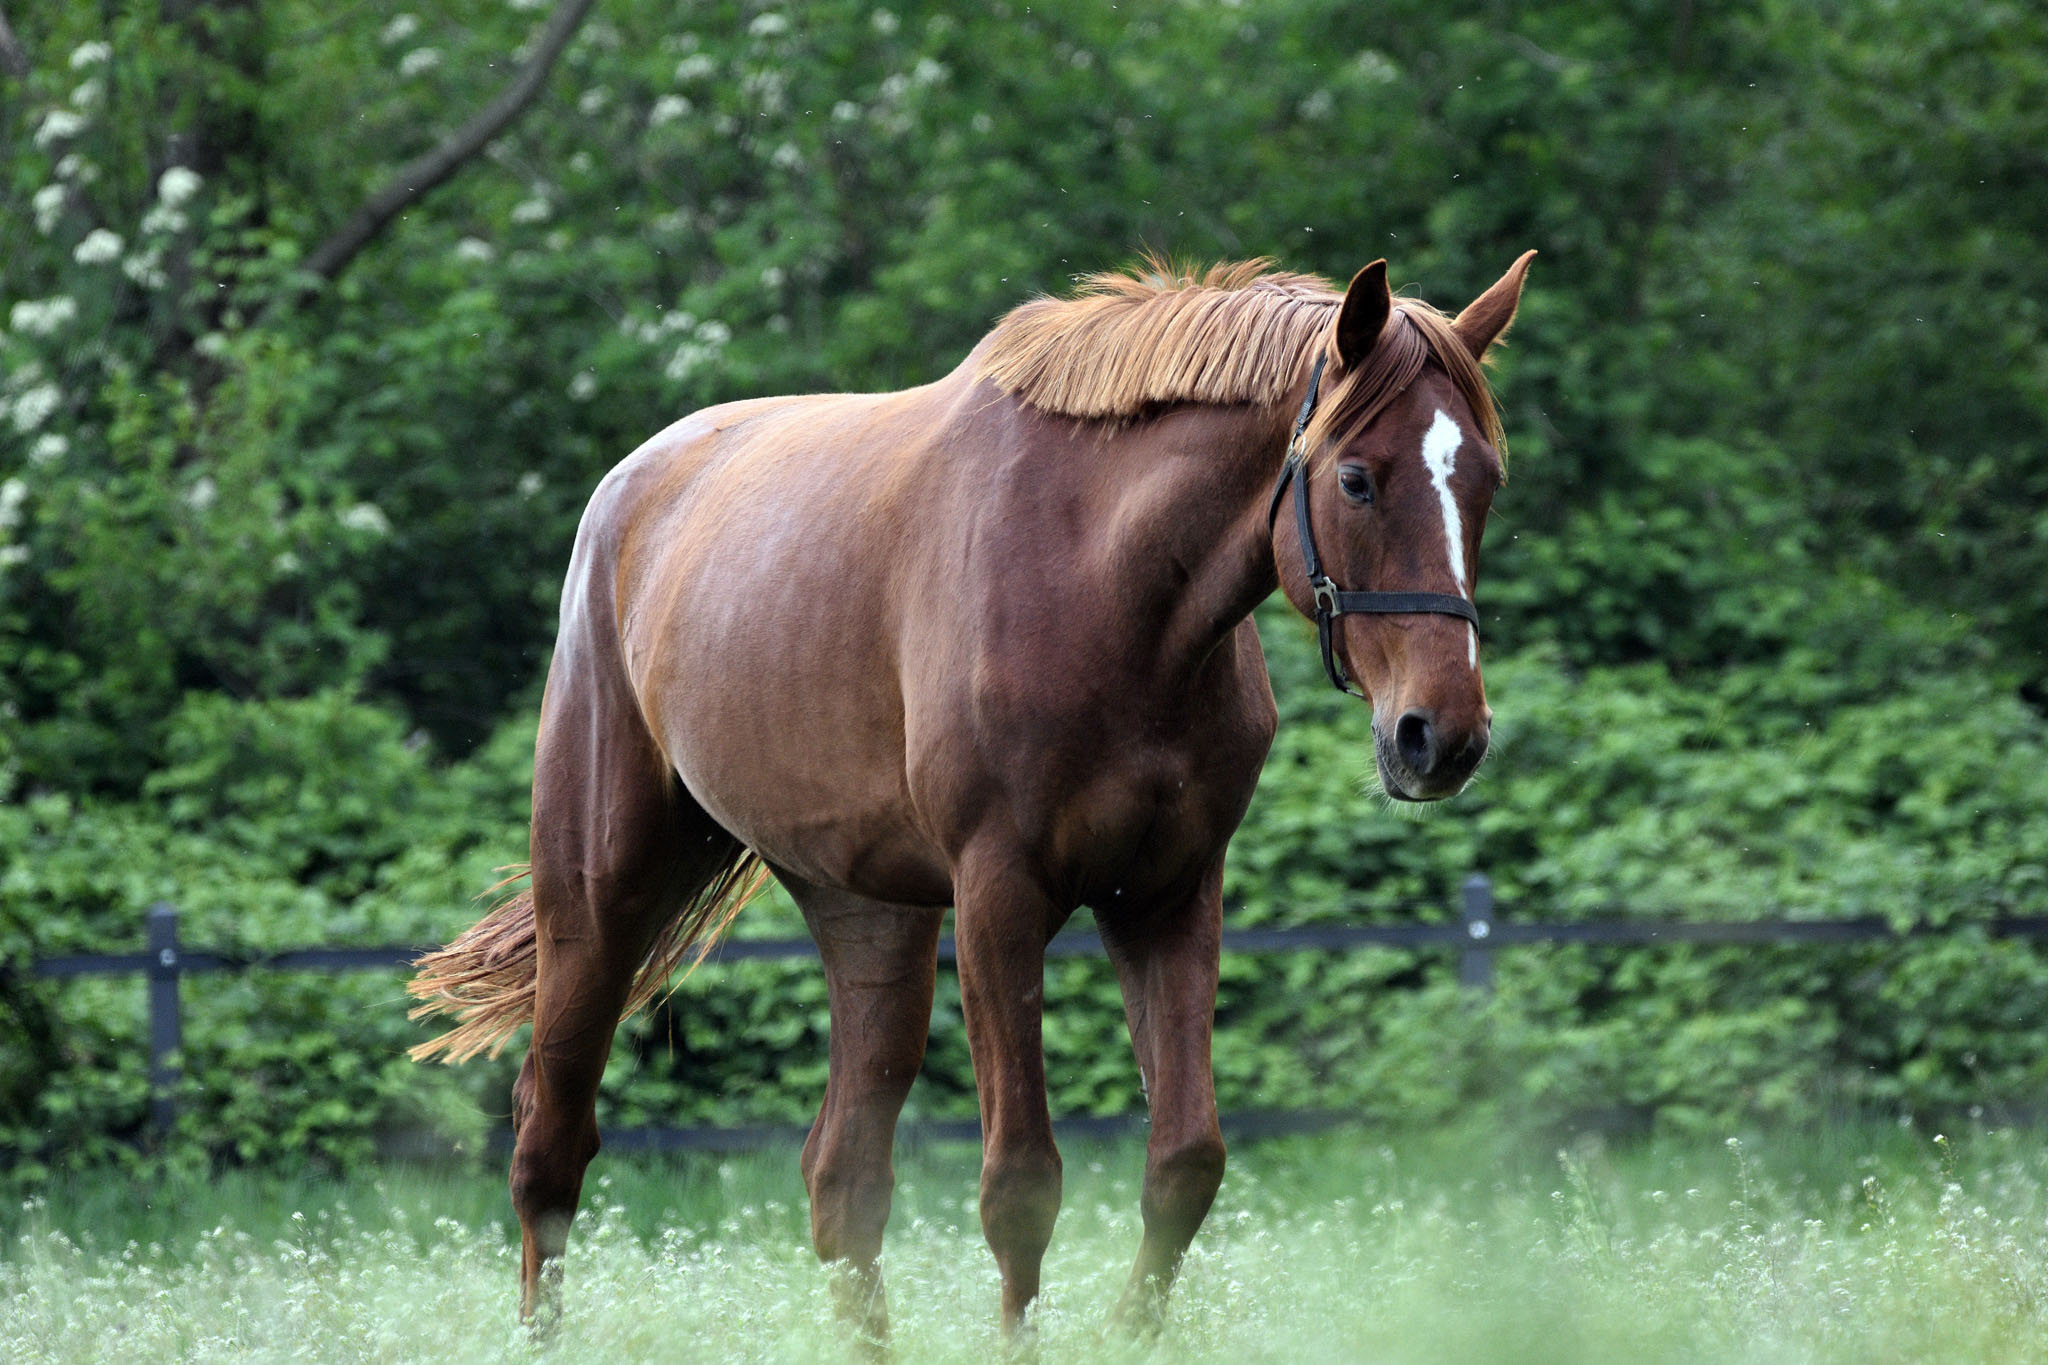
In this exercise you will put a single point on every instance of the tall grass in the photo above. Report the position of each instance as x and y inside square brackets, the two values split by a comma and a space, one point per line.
[1860, 1245]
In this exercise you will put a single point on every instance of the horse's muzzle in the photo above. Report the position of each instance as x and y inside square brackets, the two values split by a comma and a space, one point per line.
[1422, 759]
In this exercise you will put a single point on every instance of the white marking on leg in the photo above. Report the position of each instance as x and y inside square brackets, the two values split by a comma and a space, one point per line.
[1440, 455]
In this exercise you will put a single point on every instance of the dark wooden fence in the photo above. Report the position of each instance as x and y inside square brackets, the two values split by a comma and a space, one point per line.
[1477, 935]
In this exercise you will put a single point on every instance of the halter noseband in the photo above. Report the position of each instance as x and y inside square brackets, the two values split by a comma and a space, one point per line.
[1332, 601]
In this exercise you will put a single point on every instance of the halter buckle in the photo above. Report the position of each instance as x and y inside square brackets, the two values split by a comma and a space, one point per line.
[1326, 596]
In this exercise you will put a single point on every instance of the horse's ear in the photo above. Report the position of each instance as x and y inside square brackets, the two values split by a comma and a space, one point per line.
[1482, 324]
[1366, 306]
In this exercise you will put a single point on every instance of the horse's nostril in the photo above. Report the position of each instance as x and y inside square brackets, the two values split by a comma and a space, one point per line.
[1415, 740]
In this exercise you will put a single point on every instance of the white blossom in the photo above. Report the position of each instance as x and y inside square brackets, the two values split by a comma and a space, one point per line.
[176, 186]
[667, 109]
[161, 220]
[592, 102]
[401, 27]
[474, 249]
[534, 210]
[202, 493]
[367, 517]
[41, 317]
[72, 166]
[286, 562]
[927, 72]
[48, 203]
[12, 493]
[695, 66]
[687, 358]
[846, 111]
[583, 385]
[787, 156]
[11, 555]
[49, 446]
[89, 92]
[885, 23]
[530, 483]
[714, 333]
[146, 269]
[768, 25]
[89, 54]
[57, 125]
[32, 407]
[526, 6]
[418, 60]
[772, 277]
[97, 248]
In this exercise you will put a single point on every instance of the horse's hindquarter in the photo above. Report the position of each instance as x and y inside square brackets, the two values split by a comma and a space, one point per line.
[757, 591]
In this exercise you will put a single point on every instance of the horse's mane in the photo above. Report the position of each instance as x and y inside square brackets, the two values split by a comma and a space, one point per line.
[1130, 342]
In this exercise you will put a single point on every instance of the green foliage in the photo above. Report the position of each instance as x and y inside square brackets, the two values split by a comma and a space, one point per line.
[277, 574]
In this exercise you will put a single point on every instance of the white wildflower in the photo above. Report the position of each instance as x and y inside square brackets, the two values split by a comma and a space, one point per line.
[1376, 67]
[57, 125]
[768, 25]
[772, 277]
[12, 493]
[97, 248]
[1318, 106]
[49, 446]
[787, 156]
[846, 111]
[162, 220]
[286, 562]
[367, 517]
[48, 203]
[89, 93]
[981, 123]
[41, 317]
[72, 166]
[592, 102]
[676, 320]
[474, 249]
[530, 483]
[526, 6]
[687, 358]
[581, 163]
[401, 27]
[885, 23]
[89, 54]
[418, 60]
[176, 186]
[668, 109]
[202, 494]
[583, 385]
[927, 72]
[695, 66]
[534, 210]
[714, 333]
[11, 555]
[32, 407]
[146, 269]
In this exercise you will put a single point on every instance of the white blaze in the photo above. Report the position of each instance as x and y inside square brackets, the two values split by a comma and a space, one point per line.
[1440, 456]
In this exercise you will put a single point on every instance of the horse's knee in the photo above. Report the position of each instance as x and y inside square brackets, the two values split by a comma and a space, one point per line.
[1020, 1200]
[1181, 1182]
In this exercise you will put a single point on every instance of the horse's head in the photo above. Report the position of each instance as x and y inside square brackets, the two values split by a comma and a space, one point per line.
[1403, 456]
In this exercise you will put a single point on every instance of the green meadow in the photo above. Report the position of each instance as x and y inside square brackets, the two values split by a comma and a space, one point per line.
[1863, 1244]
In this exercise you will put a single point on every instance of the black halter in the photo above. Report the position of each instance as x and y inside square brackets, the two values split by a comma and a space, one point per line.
[1331, 601]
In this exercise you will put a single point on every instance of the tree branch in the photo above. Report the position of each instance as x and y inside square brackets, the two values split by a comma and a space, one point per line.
[13, 61]
[431, 168]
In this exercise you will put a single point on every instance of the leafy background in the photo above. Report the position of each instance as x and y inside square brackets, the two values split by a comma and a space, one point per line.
[278, 562]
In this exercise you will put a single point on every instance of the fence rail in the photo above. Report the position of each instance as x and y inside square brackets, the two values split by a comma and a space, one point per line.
[1477, 936]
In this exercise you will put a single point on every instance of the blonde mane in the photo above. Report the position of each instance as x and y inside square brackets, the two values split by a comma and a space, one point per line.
[1129, 342]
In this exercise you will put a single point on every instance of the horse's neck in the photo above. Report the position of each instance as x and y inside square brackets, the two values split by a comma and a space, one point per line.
[1191, 541]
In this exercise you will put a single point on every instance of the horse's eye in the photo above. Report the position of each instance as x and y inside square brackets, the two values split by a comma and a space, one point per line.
[1354, 483]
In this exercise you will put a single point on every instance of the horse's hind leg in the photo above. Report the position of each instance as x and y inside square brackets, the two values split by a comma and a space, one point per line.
[880, 965]
[1166, 961]
[619, 849]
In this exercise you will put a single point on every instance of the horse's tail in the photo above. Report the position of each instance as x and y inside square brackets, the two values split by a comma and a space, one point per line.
[485, 978]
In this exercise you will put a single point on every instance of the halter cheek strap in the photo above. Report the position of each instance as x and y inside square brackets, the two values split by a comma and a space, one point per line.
[1330, 600]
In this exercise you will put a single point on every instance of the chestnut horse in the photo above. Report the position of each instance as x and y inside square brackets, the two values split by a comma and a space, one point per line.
[983, 644]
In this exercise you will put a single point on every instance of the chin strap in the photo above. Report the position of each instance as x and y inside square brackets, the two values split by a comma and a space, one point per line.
[1330, 600]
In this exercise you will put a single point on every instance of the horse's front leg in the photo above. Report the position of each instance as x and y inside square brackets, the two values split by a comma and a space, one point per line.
[1166, 961]
[1001, 923]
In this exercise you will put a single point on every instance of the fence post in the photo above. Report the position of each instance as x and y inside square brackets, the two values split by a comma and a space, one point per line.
[166, 1034]
[1475, 959]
